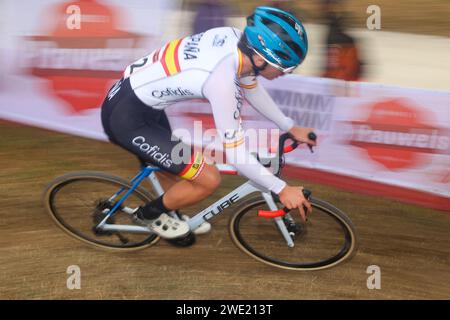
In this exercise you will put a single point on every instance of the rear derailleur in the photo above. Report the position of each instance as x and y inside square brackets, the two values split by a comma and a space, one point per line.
[102, 209]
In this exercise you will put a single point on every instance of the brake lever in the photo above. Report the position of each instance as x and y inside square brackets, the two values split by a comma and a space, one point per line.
[306, 193]
[312, 136]
[284, 210]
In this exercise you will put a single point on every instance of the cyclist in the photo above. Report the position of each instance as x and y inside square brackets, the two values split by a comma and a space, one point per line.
[220, 65]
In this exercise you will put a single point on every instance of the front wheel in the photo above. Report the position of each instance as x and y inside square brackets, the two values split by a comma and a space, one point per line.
[325, 240]
[79, 201]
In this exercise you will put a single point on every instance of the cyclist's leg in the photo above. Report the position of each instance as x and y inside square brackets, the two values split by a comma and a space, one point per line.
[190, 190]
[204, 185]
[154, 145]
[145, 132]
[137, 128]
[166, 179]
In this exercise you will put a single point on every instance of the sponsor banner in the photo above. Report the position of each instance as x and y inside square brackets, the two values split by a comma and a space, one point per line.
[63, 56]
[380, 134]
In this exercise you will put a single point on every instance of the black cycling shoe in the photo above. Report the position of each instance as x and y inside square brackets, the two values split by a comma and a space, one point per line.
[185, 241]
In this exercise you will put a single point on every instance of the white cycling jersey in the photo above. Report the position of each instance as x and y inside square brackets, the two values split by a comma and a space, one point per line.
[208, 65]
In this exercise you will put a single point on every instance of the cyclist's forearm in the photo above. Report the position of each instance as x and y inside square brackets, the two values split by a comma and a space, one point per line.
[260, 99]
[247, 165]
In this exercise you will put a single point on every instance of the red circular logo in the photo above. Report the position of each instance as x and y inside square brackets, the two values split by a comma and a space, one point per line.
[81, 63]
[397, 134]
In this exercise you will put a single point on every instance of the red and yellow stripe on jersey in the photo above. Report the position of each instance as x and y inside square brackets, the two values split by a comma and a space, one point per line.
[241, 63]
[169, 58]
[248, 86]
[239, 71]
[192, 170]
[234, 144]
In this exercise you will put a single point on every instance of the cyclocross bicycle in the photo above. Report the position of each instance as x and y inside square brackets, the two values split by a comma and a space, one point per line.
[97, 208]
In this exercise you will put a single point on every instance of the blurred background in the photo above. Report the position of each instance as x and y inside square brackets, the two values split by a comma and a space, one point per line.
[411, 49]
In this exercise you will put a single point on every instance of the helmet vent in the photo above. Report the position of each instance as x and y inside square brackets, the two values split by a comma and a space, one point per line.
[285, 18]
[298, 51]
[282, 55]
[251, 20]
[277, 29]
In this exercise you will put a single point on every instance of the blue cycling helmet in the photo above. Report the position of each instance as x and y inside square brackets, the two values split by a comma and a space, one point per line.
[277, 36]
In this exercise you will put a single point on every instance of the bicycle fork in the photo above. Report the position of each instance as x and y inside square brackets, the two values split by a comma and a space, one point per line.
[278, 220]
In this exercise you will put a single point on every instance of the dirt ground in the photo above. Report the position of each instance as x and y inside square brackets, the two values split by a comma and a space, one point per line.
[410, 244]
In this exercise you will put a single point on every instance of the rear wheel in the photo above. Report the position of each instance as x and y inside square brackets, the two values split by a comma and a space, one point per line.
[79, 201]
[325, 240]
